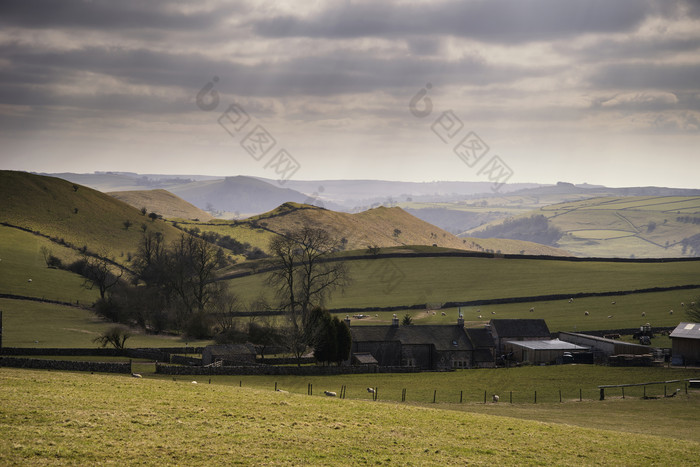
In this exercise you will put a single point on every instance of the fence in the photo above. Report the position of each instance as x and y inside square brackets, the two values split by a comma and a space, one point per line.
[65, 365]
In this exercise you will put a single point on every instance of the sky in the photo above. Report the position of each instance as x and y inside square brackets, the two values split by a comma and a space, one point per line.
[603, 92]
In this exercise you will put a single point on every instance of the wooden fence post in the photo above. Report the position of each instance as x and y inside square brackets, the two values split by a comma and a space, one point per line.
[434, 395]
[484, 397]
[602, 394]
[460, 396]
[560, 395]
[511, 397]
[535, 397]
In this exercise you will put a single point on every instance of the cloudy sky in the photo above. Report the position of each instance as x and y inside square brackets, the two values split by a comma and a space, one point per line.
[597, 91]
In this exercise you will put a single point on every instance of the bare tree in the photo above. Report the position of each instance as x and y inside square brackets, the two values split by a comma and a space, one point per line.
[101, 273]
[116, 335]
[305, 278]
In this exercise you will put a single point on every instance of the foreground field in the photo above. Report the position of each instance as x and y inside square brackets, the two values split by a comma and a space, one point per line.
[50, 418]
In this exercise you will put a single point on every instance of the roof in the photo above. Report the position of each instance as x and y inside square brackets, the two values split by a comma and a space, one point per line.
[443, 337]
[365, 359]
[505, 328]
[551, 344]
[589, 337]
[480, 337]
[687, 331]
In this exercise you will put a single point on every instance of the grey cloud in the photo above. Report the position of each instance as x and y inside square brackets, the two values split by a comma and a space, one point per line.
[647, 76]
[500, 21]
[108, 14]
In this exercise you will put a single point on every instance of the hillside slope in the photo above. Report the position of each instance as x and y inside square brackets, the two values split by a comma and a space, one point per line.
[162, 202]
[75, 214]
[384, 227]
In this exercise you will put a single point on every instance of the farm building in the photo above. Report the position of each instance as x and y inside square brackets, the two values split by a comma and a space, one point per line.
[484, 354]
[603, 347]
[429, 347]
[504, 330]
[541, 351]
[229, 355]
[685, 344]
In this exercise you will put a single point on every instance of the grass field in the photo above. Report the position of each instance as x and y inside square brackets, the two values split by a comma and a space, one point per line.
[64, 418]
[46, 325]
[409, 281]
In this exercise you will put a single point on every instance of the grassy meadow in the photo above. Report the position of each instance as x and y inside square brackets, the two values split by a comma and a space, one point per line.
[68, 418]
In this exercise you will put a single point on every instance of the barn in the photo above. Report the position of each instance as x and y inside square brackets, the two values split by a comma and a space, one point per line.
[685, 344]
[541, 351]
[504, 330]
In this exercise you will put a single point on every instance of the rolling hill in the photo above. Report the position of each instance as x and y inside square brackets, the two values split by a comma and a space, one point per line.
[74, 215]
[383, 227]
[162, 202]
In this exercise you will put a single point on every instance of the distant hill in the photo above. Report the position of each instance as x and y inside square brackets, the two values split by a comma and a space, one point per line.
[238, 195]
[74, 213]
[384, 227]
[162, 202]
[614, 226]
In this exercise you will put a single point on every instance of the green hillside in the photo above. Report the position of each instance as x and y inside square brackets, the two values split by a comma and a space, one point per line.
[96, 419]
[162, 202]
[75, 214]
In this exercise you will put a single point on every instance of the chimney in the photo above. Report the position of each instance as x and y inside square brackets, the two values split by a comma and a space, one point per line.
[460, 318]
[347, 320]
[395, 321]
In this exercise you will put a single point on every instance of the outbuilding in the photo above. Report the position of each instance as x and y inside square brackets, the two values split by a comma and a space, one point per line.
[685, 344]
[541, 351]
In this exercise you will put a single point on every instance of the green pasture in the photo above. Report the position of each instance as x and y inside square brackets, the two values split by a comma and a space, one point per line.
[21, 259]
[409, 281]
[68, 418]
[46, 325]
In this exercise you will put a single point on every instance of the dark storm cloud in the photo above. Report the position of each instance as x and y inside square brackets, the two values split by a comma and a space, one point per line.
[498, 21]
[668, 77]
[106, 14]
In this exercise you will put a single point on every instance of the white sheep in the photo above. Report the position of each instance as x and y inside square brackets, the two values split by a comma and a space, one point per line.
[444, 314]
[495, 398]
[670, 312]
[136, 375]
[493, 312]
[330, 393]
[282, 391]
[29, 280]
[532, 309]
[585, 313]
[370, 390]
[610, 316]
[571, 300]
[194, 382]
[643, 313]
[479, 316]
[612, 303]
[682, 304]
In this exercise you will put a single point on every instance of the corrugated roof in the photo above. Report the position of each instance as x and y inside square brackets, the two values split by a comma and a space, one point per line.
[552, 344]
[520, 327]
[687, 331]
[444, 337]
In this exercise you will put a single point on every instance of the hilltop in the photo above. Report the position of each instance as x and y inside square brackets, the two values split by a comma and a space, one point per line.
[162, 202]
[382, 226]
[74, 214]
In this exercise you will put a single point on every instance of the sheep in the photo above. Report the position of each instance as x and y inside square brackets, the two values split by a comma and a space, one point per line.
[692, 303]
[585, 313]
[370, 390]
[194, 382]
[29, 280]
[610, 316]
[571, 300]
[136, 375]
[282, 391]
[612, 303]
[532, 309]
[643, 313]
[444, 314]
[479, 316]
[682, 304]
[495, 398]
[433, 313]
[330, 393]
[493, 312]
[670, 312]
[479, 310]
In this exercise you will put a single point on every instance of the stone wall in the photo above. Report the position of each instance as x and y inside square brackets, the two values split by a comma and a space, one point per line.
[65, 365]
[279, 370]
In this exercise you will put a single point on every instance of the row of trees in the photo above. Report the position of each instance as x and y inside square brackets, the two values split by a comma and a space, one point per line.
[174, 287]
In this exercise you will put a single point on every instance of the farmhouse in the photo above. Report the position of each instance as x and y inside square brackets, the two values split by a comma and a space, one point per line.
[429, 347]
[484, 354]
[685, 344]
